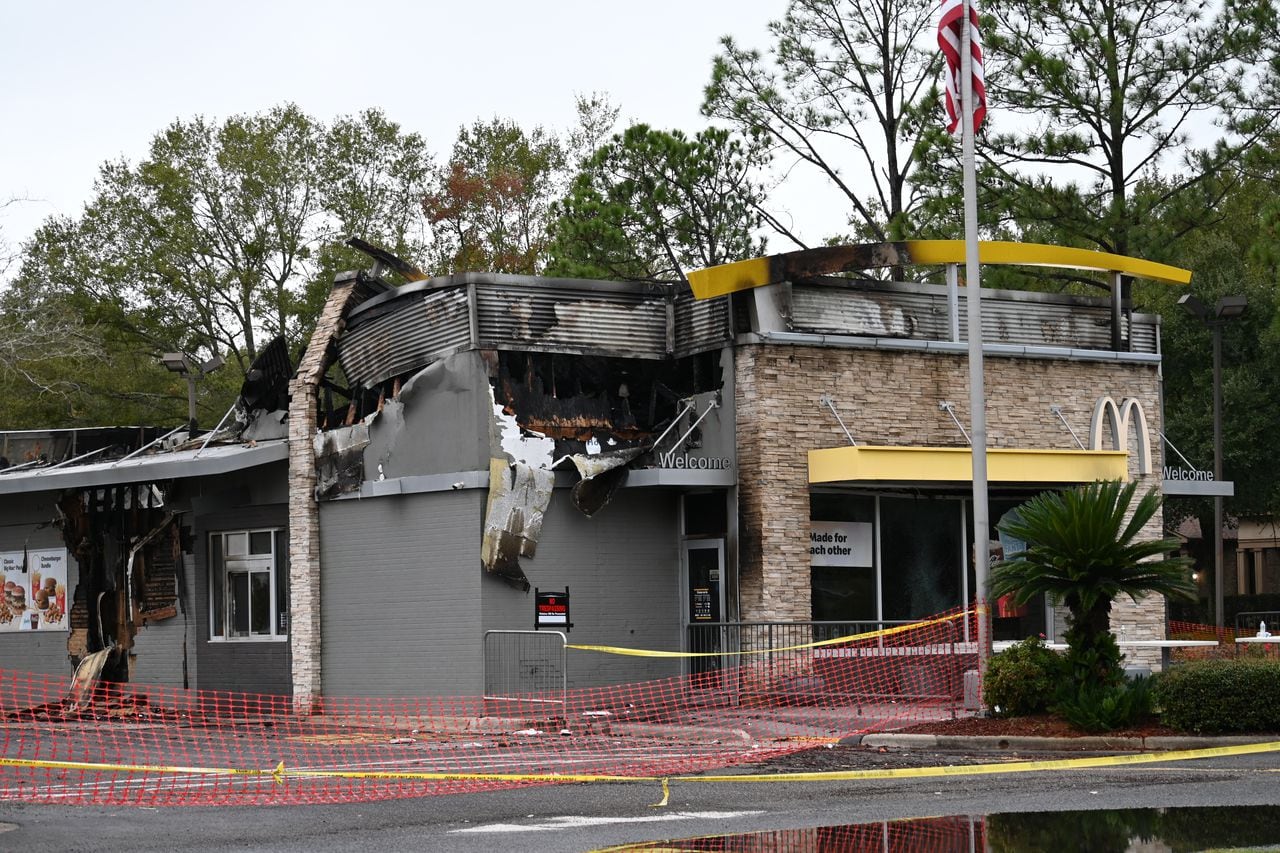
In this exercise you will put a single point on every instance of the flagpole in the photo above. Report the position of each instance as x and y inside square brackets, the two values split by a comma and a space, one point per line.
[973, 298]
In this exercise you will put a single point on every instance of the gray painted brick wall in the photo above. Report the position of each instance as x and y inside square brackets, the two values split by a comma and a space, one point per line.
[158, 646]
[249, 667]
[400, 595]
[622, 567]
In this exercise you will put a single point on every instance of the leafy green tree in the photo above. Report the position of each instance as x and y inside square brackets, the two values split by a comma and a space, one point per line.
[1233, 255]
[372, 176]
[490, 207]
[650, 204]
[1084, 549]
[44, 355]
[216, 242]
[8, 254]
[1250, 359]
[848, 89]
[1105, 96]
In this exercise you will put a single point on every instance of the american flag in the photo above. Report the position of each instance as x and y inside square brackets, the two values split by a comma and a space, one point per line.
[949, 40]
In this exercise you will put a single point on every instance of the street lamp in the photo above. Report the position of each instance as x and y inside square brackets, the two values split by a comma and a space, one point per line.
[1228, 308]
[184, 365]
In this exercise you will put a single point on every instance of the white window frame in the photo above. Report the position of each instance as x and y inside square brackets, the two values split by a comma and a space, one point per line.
[231, 558]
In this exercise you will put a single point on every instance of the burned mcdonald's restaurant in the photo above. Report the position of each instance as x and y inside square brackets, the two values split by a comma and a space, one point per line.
[781, 441]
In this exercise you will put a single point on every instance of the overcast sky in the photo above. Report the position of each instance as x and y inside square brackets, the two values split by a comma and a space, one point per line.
[88, 81]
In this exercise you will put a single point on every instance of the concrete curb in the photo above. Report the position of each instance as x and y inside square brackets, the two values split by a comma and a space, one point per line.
[995, 743]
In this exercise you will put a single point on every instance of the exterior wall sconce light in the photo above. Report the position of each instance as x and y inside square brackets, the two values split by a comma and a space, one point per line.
[1227, 309]
[186, 366]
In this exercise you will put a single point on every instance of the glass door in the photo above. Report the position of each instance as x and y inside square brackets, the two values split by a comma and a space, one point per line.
[704, 601]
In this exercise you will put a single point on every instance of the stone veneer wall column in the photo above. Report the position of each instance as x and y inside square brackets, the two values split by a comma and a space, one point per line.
[304, 512]
[891, 397]
[773, 490]
[1147, 618]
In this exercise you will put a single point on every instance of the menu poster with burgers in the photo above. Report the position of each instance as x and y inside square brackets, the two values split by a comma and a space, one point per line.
[35, 590]
[13, 576]
[48, 572]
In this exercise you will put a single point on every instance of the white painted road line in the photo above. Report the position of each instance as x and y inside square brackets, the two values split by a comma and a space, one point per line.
[577, 822]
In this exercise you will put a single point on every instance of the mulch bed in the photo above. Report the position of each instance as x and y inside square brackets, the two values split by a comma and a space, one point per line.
[1035, 726]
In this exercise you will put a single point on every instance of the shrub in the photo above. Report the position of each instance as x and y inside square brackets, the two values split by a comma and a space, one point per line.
[1212, 696]
[1104, 707]
[1021, 680]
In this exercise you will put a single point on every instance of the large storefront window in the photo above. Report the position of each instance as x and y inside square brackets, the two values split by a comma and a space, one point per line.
[922, 555]
[844, 588]
[916, 563]
[1011, 621]
[248, 598]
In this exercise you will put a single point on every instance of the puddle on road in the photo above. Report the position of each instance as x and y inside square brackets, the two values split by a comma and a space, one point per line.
[1174, 830]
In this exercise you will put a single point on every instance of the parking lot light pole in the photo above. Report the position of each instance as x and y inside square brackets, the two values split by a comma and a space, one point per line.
[190, 369]
[1228, 308]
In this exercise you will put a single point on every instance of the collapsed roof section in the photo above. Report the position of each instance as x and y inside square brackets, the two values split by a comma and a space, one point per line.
[115, 506]
[398, 332]
[522, 376]
[585, 366]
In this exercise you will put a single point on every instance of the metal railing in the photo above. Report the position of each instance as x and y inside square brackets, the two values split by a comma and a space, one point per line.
[883, 668]
[1248, 622]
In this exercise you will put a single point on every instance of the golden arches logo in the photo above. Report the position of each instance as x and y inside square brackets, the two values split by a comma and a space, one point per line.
[1130, 411]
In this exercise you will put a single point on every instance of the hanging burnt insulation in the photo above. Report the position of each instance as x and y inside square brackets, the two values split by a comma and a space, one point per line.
[340, 460]
[602, 475]
[518, 499]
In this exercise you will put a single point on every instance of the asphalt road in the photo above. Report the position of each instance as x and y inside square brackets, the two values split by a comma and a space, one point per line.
[590, 816]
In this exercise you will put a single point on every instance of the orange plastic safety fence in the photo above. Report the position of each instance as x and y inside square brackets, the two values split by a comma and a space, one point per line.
[150, 745]
[1227, 646]
[1225, 637]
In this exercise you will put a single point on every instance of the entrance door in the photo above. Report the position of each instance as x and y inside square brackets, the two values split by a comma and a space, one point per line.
[704, 603]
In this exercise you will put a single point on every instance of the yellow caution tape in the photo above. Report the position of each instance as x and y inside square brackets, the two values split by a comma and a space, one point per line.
[1000, 767]
[96, 767]
[869, 635]
[279, 773]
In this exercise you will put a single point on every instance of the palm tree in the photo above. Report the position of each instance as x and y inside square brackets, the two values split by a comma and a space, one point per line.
[1083, 553]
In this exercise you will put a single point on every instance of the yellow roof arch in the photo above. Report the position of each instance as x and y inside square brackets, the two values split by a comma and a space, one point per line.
[826, 260]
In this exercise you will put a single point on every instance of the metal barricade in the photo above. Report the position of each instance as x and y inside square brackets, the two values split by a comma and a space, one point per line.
[525, 671]
[1248, 622]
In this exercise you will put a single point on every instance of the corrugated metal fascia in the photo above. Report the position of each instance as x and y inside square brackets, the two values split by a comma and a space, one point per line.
[506, 281]
[919, 312]
[616, 322]
[1076, 326]
[565, 349]
[988, 293]
[879, 313]
[410, 338]
[1144, 336]
[700, 325]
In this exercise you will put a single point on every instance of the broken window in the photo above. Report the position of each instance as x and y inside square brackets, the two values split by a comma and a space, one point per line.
[581, 397]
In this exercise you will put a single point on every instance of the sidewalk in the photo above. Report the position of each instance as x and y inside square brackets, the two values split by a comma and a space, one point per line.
[765, 725]
[1087, 743]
